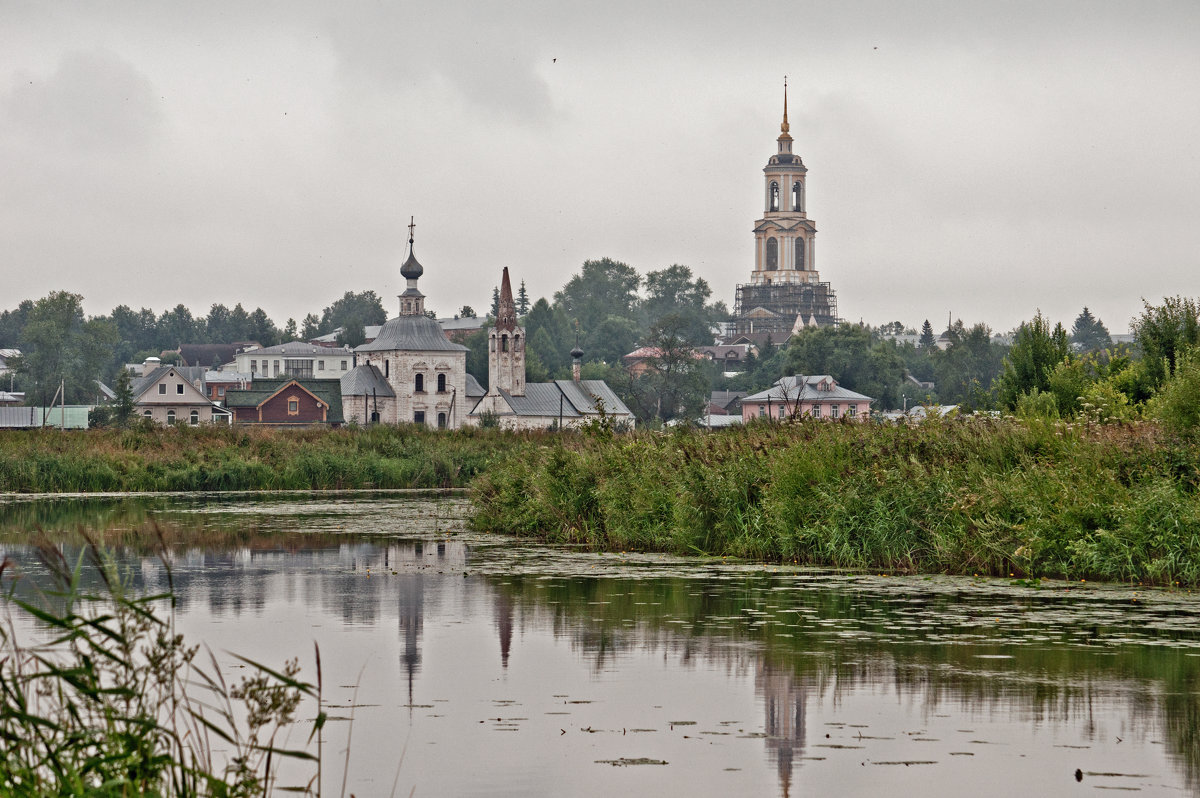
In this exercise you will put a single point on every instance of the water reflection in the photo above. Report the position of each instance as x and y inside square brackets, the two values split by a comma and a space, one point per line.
[849, 677]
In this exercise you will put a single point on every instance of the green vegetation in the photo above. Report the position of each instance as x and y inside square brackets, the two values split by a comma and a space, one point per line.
[996, 497]
[113, 702]
[149, 458]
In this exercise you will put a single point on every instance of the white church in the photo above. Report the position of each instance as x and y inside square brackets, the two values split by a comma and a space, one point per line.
[412, 373]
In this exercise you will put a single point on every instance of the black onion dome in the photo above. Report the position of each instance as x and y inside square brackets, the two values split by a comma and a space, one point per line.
[412, 268]
[576, 353]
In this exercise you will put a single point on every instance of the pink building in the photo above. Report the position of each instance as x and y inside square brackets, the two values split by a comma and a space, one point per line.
[806, 396]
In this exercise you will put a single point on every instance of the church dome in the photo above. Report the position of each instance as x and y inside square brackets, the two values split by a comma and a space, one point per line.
[409, 333]
[412, 268]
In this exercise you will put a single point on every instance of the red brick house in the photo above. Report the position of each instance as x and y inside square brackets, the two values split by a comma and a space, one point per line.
[288, 402]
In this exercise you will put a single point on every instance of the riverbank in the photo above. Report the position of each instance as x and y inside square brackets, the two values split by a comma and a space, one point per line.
[239, 458]
[995, 497]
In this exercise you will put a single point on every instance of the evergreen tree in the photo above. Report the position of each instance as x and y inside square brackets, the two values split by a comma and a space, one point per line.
[289, 331]
[467, 312]
[311, 327]
[495, 311]
[1035, 355]
[123, 405]
[522, 299]
[927, 339]
[1089, 333]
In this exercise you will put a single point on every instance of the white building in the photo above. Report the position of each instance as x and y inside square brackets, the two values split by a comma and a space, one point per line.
[296, 359]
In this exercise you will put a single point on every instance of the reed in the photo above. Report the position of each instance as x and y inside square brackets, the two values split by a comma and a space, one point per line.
[988, 496]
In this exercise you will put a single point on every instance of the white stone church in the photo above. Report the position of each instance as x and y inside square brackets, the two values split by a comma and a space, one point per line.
[413, 373]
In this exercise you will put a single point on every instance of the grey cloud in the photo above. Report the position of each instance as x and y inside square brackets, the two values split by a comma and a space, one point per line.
[95, 102]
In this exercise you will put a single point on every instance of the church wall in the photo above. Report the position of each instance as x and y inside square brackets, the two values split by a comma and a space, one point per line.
[401, 370]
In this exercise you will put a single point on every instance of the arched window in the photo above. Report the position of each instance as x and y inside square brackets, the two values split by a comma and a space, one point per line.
[503, 343]
[774, 206]
[441, 420]
[385, 367]
[195, 417]
[420, 383]
[374, 417]
[146, 414]
[797, 196]
[170, 416]
[517, 343]
[800, 254]
[441, 383]
[772, 254]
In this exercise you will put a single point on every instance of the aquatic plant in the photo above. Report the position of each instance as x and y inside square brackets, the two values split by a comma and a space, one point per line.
[113, 701]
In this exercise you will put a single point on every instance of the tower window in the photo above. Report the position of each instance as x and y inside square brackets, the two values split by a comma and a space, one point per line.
[385, 367]
[420, 387]
[797, 196]
[772, 254]
[774, 196]
[800, 254]
[503, 343]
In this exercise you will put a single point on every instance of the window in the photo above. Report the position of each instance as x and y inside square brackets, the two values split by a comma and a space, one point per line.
[503, 343]
[162, 388]
[298, 368]
[220, 391]
[385, 367]
[816, 411]
[374, 416]
[797, 196]
[195, 418]
[343, 365]
[800, 254]
[441, 383]
[179, 389]
[170, 416]
[833, 411]
[774, 206]
[772, 254]
[852, 410]
[293, 407]
[762, 410]
[276, 362]
[420, 387]
[419, 417]
[783, 412]
[254, 366]
[146, 414]
[441, 420]
[320, 365]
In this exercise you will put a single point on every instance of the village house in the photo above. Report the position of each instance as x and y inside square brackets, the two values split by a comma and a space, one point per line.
[801, 396]
[175, 394]
[295, 359]
[288, 402]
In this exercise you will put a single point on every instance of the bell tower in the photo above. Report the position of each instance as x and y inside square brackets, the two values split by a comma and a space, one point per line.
[506, 346]
[784, 238]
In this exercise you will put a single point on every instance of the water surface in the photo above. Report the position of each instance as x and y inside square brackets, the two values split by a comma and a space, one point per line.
[472, 664]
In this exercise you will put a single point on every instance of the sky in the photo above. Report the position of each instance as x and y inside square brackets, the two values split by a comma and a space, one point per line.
[985, 160]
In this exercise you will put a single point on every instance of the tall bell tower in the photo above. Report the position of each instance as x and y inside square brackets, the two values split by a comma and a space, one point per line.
[784, 238]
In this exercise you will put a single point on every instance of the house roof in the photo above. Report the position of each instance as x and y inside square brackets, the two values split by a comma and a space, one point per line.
[541, 399]
[298, 348]
[207, 354]
[327, 391]
[411, 333]
[804, 389]
[365, 381]
[474, 389]
[193, 374]
[464, 323]
[587, 395]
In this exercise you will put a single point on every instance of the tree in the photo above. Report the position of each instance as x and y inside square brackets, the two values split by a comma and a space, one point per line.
[311, 327]
[217, 326]
[495, 311]
[522, 300]
[677, 384]
[353, 332]
[603, 288]
[262, 329]
[1089, 333]
[1177, 404]
[289, 331]
[1035, 354]
[965, 370]
[175, 327]
[673, 291]
[12, 322]
[365, 307]
[467, 312]
[927, 339]
[616, 337]
[122, 409]
[59, 346]
[1164, 332]
[560, 335]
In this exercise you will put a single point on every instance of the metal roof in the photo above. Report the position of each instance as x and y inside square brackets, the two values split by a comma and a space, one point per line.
[474, 389]
[297, 348]
[365, 381]
[801, 388]
[586, 395]
[411, 333]
[541, 399]
[193, 374]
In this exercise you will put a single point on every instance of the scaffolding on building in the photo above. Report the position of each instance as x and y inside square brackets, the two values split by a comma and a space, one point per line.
[783, 303]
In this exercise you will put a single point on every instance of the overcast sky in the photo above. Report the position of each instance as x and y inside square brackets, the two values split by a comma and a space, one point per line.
[985, 159]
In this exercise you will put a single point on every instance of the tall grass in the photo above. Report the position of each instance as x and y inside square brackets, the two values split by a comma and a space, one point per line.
[113, 702]
[998, 497]
[223, 458]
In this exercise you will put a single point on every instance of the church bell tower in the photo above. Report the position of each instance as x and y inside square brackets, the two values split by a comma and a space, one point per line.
[506, 346]
[784, 238]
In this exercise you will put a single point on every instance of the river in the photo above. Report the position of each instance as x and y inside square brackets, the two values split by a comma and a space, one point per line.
[461, 663]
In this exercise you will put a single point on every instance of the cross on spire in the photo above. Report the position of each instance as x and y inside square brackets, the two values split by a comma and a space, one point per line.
[412, 223]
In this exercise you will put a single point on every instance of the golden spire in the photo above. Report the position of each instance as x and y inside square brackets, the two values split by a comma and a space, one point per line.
[784, 126]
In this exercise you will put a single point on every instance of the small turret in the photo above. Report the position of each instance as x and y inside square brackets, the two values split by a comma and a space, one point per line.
[412, 301]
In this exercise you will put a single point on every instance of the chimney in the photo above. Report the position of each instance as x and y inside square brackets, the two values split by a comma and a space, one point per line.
[576, 362]
[150, 365]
